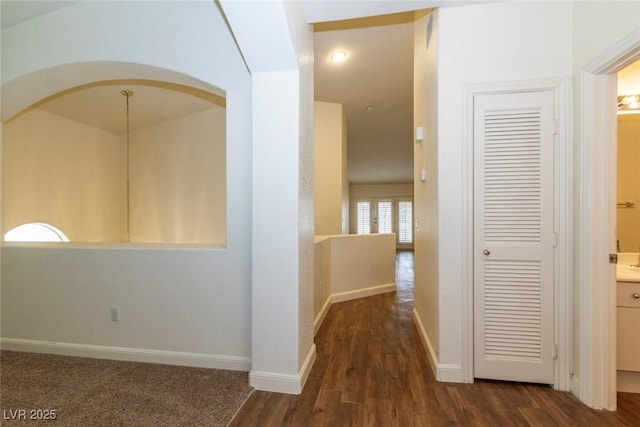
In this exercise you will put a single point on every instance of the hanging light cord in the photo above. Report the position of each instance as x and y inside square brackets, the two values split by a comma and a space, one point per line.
[128, 94]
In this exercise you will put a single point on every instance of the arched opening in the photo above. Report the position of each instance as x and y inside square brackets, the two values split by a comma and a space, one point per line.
[149, 168]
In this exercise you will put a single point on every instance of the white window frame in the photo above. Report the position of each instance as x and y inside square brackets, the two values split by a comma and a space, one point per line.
[376, 212]
[355, 215]
[397, 222]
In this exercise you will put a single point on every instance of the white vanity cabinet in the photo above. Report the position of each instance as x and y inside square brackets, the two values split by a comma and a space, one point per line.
[628, 306]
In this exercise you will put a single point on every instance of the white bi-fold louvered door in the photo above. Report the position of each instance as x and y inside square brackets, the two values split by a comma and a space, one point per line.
[513, 236]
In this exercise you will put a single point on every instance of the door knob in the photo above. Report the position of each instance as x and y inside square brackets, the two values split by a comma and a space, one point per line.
[486, 252]
[636, 295]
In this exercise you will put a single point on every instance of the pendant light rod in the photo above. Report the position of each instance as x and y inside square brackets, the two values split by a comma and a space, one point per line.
[128, 94]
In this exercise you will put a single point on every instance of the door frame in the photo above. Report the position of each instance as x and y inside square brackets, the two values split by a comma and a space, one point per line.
[563, 196]
[597, 382]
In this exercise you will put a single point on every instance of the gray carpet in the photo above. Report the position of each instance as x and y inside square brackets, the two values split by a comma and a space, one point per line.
[93, 392]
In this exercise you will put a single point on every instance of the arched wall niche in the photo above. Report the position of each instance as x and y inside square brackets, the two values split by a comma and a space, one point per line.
[69, 161]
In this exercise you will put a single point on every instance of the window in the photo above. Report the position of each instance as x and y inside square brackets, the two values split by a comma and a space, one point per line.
[363, 217]
[405, 222]
[385, 216]
[35, 232]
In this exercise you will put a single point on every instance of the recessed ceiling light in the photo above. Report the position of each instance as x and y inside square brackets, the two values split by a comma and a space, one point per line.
[369, 107]
[338, 56]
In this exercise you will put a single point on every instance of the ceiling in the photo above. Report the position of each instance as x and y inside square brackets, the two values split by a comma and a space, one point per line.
[375, 86]
[17, 11]
[378, 72]
[103, 105]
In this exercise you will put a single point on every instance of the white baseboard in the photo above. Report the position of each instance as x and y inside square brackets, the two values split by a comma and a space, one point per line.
[362, 293]
[424, 337]
[274, 382]
[199, 360]
[447, 373]
[284, 383]
[305, 370]
[320, 317]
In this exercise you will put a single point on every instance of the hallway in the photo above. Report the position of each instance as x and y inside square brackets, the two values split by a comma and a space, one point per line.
[372, 370]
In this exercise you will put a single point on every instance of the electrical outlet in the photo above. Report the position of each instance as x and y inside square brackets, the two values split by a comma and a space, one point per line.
[115, 313]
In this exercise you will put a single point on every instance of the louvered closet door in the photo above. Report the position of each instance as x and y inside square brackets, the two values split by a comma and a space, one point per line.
[513, 236]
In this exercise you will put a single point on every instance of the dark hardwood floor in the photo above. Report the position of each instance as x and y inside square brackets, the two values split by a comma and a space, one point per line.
[372, 370]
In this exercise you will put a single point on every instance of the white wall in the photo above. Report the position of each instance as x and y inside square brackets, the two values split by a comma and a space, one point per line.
[330, 171]
[276, 271]
[425, 156]
[360, 262]
[321, 277]
[597, 26]
[302, 39]
[66, 174]
[499, 42]
[352, 266]
[178, 180]
[57, 299]
[281, 64]
[193, 302]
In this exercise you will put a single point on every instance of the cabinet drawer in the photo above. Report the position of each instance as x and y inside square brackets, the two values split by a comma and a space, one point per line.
[625, 294]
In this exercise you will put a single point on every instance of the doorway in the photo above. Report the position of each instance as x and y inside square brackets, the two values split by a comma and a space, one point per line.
[514, 236]
[559, 236]
[596, 329]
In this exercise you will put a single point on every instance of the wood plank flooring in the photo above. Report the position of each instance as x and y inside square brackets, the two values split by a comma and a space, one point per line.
[372, 370]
